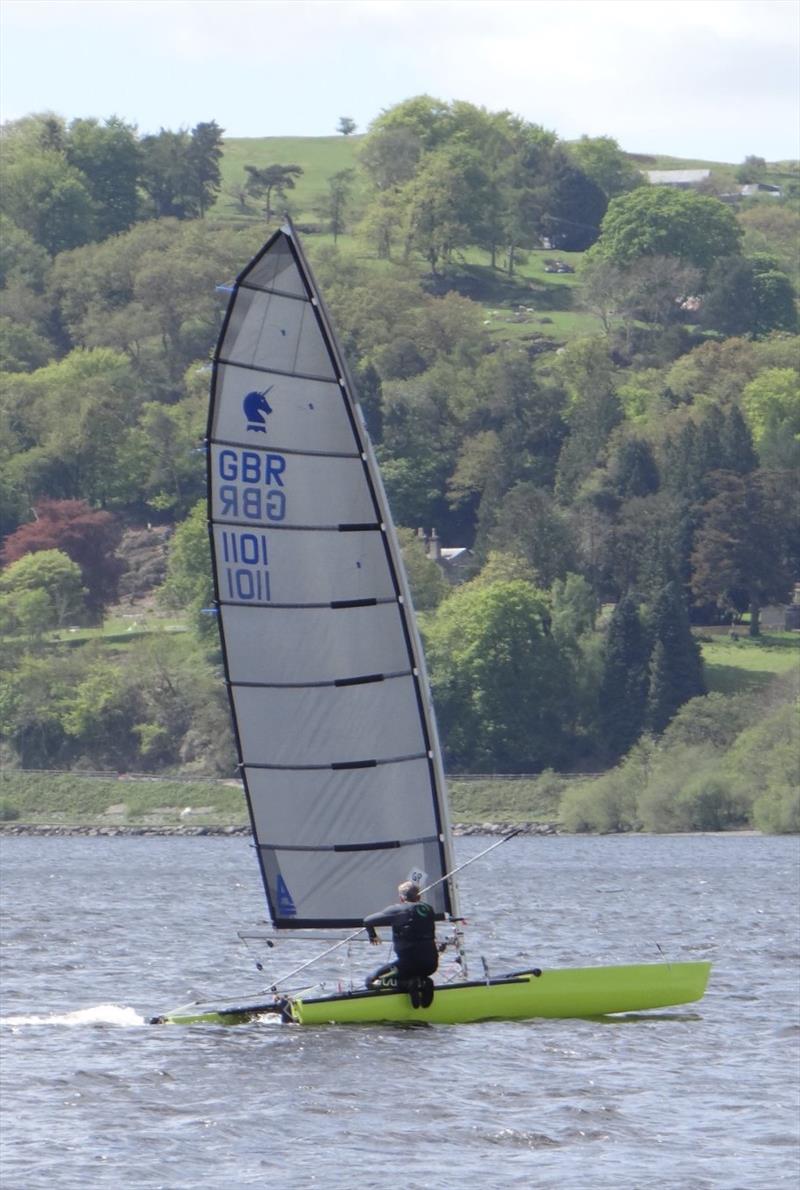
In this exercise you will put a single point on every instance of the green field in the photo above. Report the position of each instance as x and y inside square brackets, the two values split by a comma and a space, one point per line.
[320, 157]
[745, 664]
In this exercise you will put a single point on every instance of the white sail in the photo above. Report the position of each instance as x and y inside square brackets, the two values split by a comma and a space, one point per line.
[336, 736]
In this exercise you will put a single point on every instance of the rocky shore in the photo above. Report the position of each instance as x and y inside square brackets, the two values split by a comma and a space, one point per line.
[109, 831]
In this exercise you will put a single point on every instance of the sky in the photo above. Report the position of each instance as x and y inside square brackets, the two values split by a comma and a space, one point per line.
[710, 79]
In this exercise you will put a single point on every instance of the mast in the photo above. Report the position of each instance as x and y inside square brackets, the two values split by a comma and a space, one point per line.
[334, 725]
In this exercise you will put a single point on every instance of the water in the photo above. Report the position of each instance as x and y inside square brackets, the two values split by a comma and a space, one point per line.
[101, 933]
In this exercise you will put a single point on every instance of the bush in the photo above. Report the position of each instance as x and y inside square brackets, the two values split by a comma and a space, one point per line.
[708, 803]
[8, 811]
[659, 804]
[606, 805]
[777, 811]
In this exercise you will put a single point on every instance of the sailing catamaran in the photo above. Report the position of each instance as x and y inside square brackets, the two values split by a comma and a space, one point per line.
[336, 736]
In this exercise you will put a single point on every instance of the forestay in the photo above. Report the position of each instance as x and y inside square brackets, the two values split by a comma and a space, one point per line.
[336, 737]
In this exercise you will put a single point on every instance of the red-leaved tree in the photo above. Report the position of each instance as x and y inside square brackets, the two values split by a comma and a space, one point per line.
[87, 536]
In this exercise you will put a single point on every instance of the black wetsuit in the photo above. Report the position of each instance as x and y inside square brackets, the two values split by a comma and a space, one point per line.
[413, 937]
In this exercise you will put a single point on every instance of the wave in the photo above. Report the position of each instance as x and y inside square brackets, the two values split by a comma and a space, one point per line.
[100, 1014]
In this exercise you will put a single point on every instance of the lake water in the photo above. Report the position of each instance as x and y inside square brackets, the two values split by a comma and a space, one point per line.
[100, 933]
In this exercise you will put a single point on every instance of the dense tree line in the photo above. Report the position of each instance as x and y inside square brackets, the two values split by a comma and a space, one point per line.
[69, 184]
[650, 467]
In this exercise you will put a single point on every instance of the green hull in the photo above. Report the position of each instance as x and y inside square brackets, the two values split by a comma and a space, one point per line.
[570, 992]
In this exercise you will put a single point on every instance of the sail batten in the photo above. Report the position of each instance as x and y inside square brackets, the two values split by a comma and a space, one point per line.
[335, 732]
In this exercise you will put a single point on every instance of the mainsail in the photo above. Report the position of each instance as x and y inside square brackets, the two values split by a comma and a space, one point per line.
[336, 737]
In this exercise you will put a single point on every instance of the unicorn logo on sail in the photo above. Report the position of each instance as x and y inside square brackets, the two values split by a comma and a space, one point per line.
[256, 407]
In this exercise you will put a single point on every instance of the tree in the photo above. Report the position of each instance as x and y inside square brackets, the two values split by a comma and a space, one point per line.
[442, 199]
[748, 297]
[575, 206]
[49, 198]
[774, 229]
[346, 126]
[601, 158]
[335, 205]
[109, 158]
[166, 174]
[676, 665]
[273, 179]
[775, 298]
[149, 293]
[650, 543]
[390, 157]
[180, 170]
[771, 404]
[88, 537]
[204, 156]
[50, 573]
[752, 169]
[593, 411]
[746, 549]
[634, 469]
[658, 221]
[189, 584]
[655, 289]
[69, 421]
[497, 677]
[652, 289]
[530, 522]
[22, 257]
[160, 457]
[624, 683]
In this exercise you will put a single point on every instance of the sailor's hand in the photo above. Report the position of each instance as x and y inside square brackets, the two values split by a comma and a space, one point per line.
[374, 940]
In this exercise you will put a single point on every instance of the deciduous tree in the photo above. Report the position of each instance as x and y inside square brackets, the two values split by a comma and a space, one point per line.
[88, 537]
[498, 679]
[658, 221]
[746, 548]
[53, 574]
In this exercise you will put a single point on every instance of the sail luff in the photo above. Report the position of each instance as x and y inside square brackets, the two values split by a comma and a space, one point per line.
[333, 723]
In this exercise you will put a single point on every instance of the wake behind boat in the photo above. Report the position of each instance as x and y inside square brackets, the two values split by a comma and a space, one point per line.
[333, 719]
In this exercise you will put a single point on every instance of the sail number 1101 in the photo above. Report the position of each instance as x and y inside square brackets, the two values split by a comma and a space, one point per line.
[244, 569]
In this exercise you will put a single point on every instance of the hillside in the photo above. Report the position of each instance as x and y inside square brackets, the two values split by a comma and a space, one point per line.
[318, 156]
[536, 305]
[585, 437]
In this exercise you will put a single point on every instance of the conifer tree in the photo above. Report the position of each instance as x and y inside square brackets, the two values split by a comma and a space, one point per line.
[623, 688]
[676, 666]
[736, 445]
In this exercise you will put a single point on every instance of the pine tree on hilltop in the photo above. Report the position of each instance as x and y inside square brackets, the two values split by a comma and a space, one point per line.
[676, 665]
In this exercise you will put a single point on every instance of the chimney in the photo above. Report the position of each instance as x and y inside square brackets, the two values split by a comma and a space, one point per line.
[434, 550]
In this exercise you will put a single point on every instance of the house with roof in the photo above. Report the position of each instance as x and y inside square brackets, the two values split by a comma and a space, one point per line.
[453, 561]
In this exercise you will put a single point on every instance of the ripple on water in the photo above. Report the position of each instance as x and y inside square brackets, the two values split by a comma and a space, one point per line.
[700, 1098]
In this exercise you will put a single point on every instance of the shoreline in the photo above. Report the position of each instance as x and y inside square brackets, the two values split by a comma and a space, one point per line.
[101, 830]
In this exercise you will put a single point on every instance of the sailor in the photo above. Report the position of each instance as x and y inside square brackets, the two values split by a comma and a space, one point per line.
[414, 941]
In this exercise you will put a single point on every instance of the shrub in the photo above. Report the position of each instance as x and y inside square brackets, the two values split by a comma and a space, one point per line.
[708, 803]
[777, 811]
[8, 811]
[605, 805]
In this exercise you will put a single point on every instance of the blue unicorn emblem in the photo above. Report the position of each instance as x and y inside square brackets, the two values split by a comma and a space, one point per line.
[256, 406]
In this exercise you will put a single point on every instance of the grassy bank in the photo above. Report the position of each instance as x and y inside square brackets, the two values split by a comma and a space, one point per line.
[71, 799]
[742, 667]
